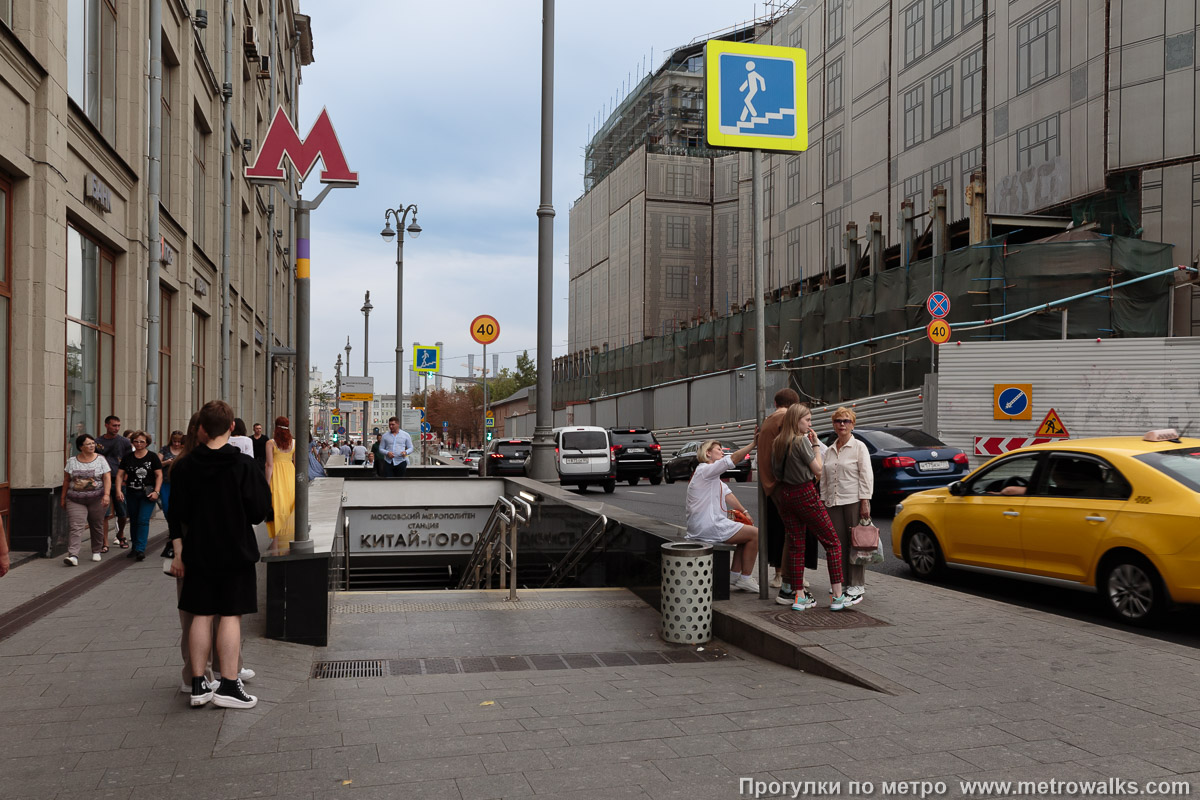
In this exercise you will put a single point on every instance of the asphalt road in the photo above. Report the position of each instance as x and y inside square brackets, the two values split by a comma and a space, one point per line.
[1182, 626]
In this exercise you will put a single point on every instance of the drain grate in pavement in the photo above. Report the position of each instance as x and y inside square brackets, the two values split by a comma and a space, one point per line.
[546, 661]
[487, 605]
[350, 669]
[814, 619]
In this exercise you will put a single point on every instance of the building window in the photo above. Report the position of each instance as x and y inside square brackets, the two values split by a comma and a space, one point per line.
[199, 184]
[942, 175]
[92, 61]
[914, 189]
[166, 335]
[1037, 49]
[170, 72]
[6, 214]
[795, 188]
[833, 158]
[914, 116]
[972, 84]
[914, 32]
[1038, 143]
[941, 101]
[972, 11]
[680, 180]
[970, 161]
[833, 86]
[834, 17]
[6, 18]
[677, 282]
[678, 234]
[943, 22]
[91, 276]
[199, 359]
[834, 254]
[768, 190]
[795, 243]
[796, 37]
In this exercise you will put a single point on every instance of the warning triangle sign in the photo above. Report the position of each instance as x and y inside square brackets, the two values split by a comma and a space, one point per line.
[1052, 426]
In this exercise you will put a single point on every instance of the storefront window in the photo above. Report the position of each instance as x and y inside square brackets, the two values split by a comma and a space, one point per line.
[89, 336]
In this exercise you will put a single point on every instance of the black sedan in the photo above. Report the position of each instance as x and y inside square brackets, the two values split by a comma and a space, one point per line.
[682, 465]
[505, 457]
[907, 460]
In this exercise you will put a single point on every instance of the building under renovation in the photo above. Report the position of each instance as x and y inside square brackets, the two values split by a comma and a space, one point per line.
[1072, 115]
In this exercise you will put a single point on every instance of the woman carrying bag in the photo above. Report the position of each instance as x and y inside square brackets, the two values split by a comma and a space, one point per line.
[846, 488]
[797, 464]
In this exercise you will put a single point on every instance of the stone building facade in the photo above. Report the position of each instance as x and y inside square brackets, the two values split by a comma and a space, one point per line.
[75, 219]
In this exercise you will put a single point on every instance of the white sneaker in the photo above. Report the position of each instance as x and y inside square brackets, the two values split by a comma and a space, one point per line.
[234, 697]
[746, 583]
[71, 561]
[856, 591]
[96, 557]
[777, 580]
[245, 674]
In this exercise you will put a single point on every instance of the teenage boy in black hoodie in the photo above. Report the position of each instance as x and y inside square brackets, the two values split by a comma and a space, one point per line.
[217, 496]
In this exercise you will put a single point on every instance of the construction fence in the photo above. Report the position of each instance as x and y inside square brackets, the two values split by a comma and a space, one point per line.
[840, 342]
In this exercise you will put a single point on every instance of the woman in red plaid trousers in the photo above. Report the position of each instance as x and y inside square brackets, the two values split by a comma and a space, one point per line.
[797, 464]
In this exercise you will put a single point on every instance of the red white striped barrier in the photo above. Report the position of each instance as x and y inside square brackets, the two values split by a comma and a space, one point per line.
[995, 445]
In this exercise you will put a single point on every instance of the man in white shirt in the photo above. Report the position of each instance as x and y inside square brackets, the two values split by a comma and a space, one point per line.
[395, 447]
[360, 454]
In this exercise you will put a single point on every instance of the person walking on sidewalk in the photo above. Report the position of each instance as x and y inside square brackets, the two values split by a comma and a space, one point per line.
[139, 481]
[707, 519]
[114, 447]
[847, 484]
[798, 465]
[171, 451]
[85, 497]
[281, 477]
[219, 494]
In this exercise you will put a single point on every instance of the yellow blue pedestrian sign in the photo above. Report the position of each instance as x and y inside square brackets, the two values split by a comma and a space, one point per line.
[757, 96]
[427, 358]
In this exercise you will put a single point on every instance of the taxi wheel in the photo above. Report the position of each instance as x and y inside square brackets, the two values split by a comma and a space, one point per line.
[922, 552]
[1131, 589]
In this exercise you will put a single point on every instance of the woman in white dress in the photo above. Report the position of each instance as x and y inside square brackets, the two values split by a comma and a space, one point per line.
[708, 519]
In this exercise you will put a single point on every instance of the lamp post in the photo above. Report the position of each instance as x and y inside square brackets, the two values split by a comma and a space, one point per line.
[366, 309]
[348, 413]
[337, 391]
[414, 230]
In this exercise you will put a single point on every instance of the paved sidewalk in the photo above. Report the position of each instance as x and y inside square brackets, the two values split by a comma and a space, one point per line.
[571, 694]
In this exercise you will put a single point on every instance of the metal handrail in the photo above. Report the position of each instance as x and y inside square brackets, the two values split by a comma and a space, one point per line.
[498, 539]
[587, 542]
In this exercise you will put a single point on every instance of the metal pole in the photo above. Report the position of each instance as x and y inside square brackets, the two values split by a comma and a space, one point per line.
[483, 461]
[542, 463]
[399, 320]
[366, 309]
[760, 362]
[424, 441]
[227, 217]
[303, 541]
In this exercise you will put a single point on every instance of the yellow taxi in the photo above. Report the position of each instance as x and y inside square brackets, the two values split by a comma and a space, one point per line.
[1118, 515]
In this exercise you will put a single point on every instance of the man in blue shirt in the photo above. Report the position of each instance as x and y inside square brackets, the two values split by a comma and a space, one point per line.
[395, 447]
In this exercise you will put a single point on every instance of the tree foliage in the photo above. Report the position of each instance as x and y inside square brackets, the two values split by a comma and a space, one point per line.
[509, 382]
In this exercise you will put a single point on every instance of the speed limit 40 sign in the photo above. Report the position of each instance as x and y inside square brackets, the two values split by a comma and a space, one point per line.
[485, 329]
[938, 331]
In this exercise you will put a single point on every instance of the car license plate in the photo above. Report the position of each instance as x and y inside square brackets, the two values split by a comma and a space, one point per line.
[635, 450]
[932, 466]
[576, 460]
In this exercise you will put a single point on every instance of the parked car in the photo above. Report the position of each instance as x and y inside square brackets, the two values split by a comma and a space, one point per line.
[906, 460]
[582, 457]
[472, 456]
[506, 457]
[637, 455]
[682, 465]
[1116, 515]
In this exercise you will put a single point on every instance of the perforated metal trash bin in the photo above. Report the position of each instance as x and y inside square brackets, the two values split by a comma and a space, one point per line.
[687, 592]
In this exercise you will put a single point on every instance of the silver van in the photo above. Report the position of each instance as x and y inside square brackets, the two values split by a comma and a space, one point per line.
[583, 456]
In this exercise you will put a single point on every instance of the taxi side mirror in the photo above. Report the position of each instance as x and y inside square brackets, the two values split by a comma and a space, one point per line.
[957, 489]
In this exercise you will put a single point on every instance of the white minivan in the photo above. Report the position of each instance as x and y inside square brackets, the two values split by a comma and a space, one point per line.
[583, 456]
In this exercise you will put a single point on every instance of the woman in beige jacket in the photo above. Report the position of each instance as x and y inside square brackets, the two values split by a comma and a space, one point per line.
[846, 488]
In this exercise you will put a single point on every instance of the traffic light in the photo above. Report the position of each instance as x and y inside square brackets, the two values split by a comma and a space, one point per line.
[335, 437]
[488, 436]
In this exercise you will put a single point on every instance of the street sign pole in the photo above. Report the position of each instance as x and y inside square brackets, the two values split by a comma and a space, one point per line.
[760, 358]
[483, 461]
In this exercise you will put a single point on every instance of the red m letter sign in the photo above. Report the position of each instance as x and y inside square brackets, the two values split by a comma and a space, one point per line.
[282, 140]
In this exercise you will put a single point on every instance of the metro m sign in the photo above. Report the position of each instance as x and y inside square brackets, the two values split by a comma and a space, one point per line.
[282, 139]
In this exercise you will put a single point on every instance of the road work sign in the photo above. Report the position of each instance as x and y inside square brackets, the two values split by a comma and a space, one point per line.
[1052, 426]
[756, 96]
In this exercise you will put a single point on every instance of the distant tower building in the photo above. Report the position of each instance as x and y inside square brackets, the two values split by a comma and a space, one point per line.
[437, 379]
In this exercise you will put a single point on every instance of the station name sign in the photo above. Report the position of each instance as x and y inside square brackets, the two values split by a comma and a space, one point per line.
[390, 531]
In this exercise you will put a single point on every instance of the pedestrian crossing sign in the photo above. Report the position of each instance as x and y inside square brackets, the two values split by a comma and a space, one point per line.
[756, 96]
[427, 358]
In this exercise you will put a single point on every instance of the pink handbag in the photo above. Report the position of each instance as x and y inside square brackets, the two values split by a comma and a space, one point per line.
[864, 535]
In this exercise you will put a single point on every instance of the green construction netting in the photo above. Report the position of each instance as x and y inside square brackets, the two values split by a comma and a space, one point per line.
[984, 282]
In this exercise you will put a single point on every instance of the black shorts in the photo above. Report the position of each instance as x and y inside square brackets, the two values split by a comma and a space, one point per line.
[230, 593]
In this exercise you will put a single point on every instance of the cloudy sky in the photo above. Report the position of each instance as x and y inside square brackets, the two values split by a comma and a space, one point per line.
[438, 104]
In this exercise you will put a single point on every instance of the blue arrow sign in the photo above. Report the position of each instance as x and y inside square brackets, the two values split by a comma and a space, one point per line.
[425, 427]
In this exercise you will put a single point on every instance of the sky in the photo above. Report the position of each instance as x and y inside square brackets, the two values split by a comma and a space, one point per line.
[439, 104]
